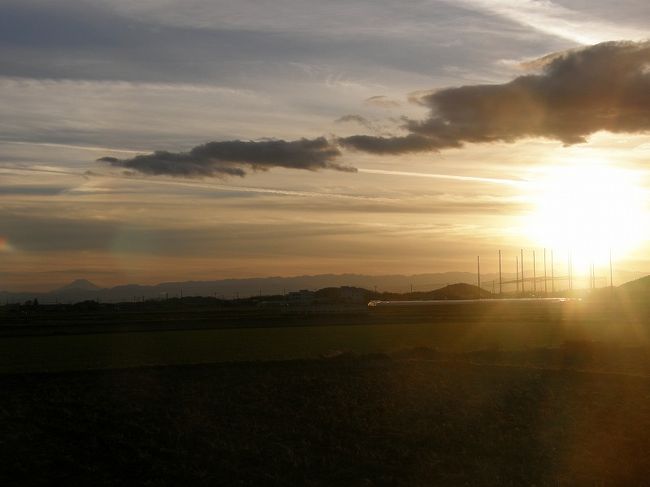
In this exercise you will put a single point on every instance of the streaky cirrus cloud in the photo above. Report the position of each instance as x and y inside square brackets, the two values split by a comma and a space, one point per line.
[554, 19]
[382, 101]
[363, 121]
[605, 87]
[237, 158]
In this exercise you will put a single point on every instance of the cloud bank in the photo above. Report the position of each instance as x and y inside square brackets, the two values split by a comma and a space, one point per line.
[236, 158]
[579, 92]
[605, 87]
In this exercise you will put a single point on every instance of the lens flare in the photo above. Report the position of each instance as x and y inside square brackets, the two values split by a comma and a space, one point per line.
[4, 244]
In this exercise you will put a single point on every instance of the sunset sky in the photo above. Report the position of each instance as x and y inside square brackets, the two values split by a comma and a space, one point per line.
[155, 140]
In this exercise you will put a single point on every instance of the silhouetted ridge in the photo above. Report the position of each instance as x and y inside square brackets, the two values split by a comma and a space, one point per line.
[460, 290]
[637, 289]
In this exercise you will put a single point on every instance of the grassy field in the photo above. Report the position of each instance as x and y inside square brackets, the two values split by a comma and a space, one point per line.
[359, 421]
[98, 351]
[484, 394]
[259, 336]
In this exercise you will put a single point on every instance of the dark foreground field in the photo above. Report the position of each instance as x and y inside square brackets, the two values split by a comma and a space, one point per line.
[345, 421]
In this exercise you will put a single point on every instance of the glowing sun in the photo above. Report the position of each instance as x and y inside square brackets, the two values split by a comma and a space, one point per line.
[588, 208]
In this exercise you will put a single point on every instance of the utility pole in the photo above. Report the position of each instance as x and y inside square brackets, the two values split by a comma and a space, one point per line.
[552, 273]
[523, 292]
[594, 273]
[545, 278]
[611, 274]
[517, 280]
[500, 280]
[570, 271]
[534, 275]
[478, 274]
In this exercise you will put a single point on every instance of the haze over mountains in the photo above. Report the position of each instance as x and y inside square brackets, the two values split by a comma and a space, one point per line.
[82, 289]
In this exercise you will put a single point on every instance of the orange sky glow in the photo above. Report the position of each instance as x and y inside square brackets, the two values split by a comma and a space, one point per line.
[265, 145]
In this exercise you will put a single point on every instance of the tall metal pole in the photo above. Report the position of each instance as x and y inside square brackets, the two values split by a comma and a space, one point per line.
[545, 278]
[569, 271]
[552, 274]
[534, 275]
[478, 274]
[522, 272]
[593, 275]
[593, 266]
[517, 280]
[500, 281]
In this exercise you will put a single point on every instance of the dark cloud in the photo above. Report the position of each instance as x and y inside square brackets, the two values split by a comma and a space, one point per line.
[389, 145]
[605, 87]
[236, 158]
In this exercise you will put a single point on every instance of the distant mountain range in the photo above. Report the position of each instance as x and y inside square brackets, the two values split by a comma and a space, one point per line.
[82, 289]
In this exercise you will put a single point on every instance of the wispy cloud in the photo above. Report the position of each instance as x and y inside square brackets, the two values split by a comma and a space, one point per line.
[211, 186]
[72, 146]
[551, 18]
[450, 177]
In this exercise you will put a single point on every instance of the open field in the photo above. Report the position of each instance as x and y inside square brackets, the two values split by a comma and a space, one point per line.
[200, 313]
[141, 339]
[359, 421]
[474, 394]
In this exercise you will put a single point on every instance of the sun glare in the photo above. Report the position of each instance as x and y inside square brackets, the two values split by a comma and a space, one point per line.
[588, 208]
